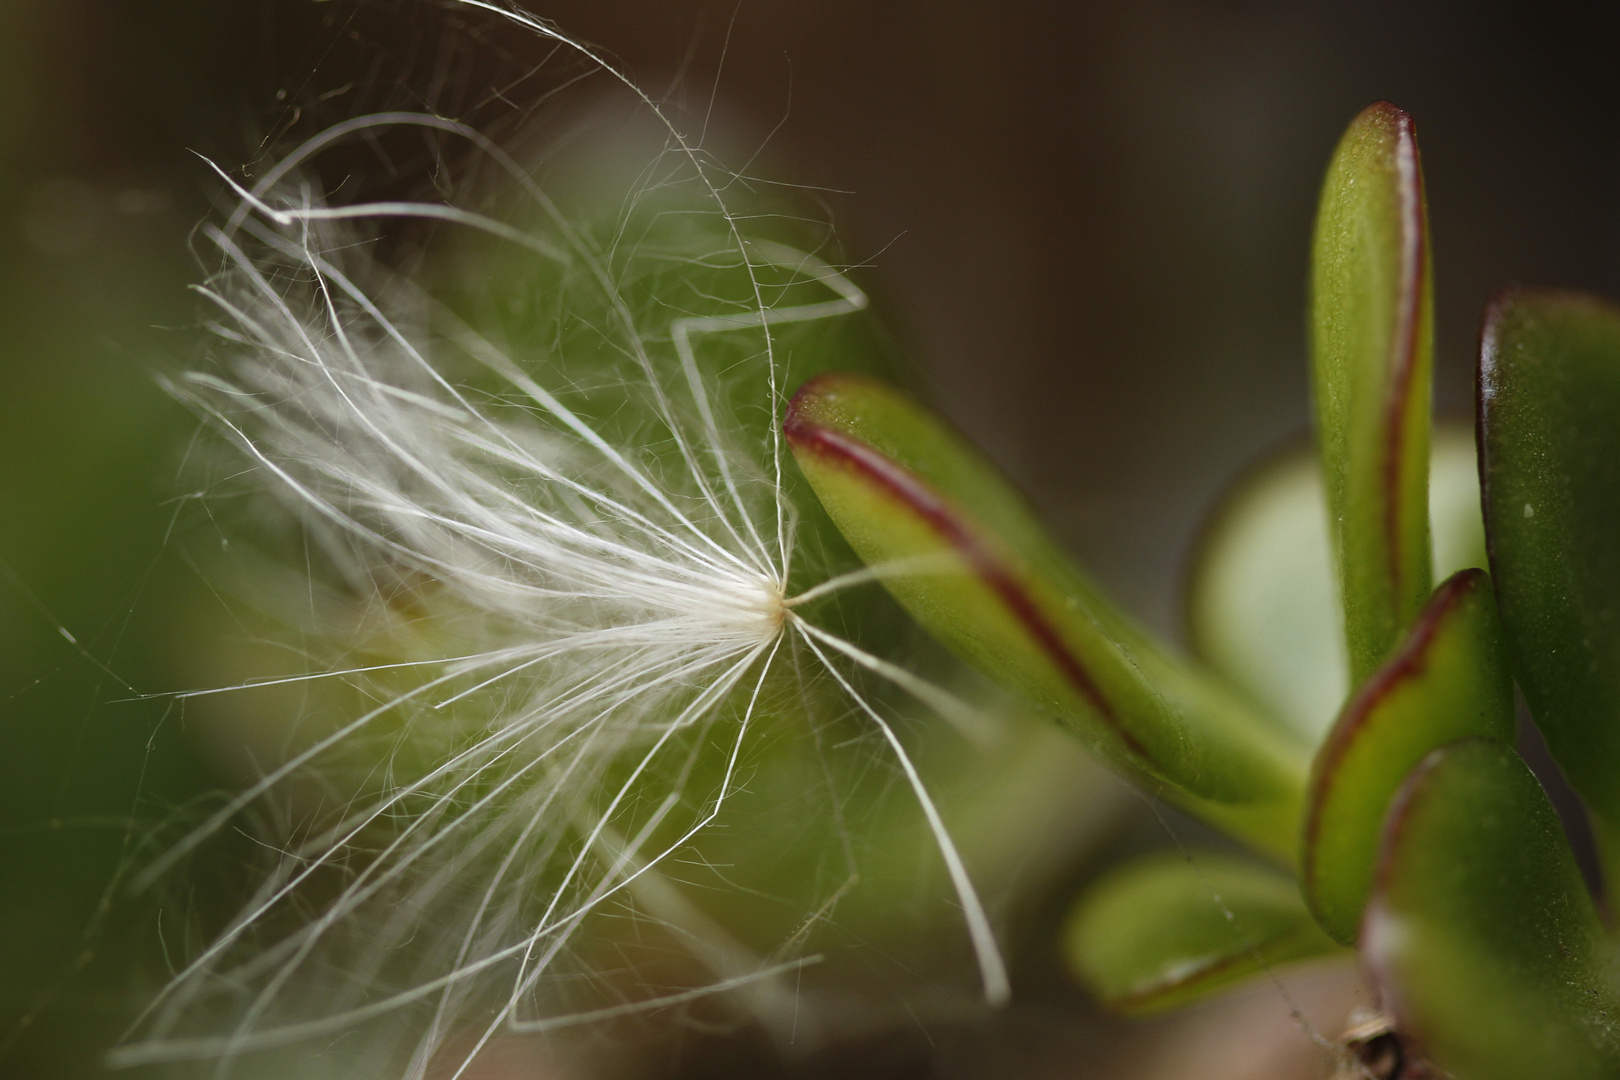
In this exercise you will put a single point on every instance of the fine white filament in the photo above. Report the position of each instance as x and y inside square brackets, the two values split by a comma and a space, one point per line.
[627, 617]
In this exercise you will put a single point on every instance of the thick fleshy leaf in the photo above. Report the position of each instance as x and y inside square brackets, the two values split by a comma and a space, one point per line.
[1169, 928]
[1480, 934]
[963, 552]
[1262, 605]
[1372, 318]
[1549, 417]
[1448, 680]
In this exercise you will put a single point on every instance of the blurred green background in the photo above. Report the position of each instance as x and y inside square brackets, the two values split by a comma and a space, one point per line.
[1088, 221]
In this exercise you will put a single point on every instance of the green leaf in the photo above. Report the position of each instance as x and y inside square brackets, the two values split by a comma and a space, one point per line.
[1480, 935]
[1455, 520]
[1449, 679]
[1262, 606]
[1372, 330]
[962, 551]
[1169, 928]
[1549, 408]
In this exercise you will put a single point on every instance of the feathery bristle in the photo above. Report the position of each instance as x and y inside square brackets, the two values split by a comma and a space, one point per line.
[580, 544]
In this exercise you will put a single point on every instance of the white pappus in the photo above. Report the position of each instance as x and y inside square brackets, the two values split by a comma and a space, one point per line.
[591, 535]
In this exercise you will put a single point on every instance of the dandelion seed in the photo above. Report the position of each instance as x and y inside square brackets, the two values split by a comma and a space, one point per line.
[594, 542]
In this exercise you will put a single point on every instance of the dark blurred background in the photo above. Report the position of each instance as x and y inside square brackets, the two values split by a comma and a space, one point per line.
[1087, 221]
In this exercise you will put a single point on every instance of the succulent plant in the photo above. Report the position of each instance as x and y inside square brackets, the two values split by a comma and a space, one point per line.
[1351, 723]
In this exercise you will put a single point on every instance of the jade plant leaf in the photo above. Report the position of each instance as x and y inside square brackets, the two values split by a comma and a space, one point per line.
[1262, 607]
[1480, 935]
[1371, 323]
[1262, 604]
[1169, 928]
[1549, 399]
[960, 549]
[1448, 679]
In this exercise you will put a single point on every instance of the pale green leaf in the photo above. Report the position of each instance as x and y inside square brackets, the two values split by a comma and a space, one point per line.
[1170, 928]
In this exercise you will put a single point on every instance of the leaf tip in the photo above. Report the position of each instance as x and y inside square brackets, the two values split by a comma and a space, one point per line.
[1388, 119]
[818, 400]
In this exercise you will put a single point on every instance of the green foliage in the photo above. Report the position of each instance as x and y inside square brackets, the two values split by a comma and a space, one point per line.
[1448, 680]
[1549, 400]
[958, 547]
[1262, 606]
[1166, 929]
[1481, 933]
[1372, 331]
[1423, 838]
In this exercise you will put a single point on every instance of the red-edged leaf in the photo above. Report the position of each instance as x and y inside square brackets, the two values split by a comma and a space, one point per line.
[1372, 329]
[961, 550]
[1449, 679]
